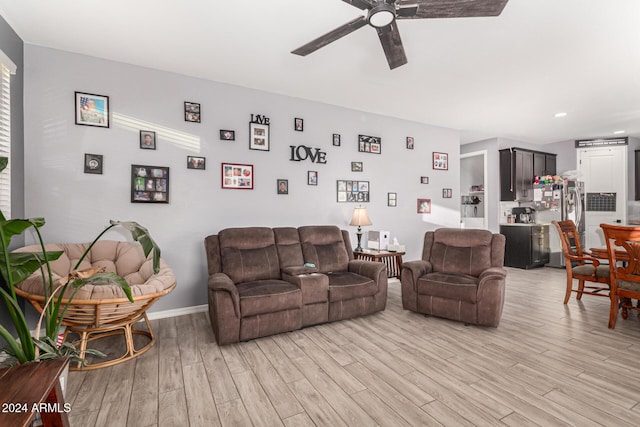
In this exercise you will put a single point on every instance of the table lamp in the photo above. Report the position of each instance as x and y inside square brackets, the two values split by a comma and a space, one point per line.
[360, 218]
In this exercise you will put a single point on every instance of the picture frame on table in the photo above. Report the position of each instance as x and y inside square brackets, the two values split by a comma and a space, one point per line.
[237, 176]
[259, 137]
[92, 109]
[149, 184]
[440, 161]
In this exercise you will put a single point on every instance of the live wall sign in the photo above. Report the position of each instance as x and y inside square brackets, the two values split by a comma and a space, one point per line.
[302, 152]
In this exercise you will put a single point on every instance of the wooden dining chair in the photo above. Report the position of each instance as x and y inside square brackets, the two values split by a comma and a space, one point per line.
[580, 265]
[623, 248]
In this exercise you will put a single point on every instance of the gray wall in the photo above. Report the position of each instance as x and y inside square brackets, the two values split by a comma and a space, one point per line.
[78, 205]
[12, 46]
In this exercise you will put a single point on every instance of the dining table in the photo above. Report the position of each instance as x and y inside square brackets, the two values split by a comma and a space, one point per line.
[602, 253]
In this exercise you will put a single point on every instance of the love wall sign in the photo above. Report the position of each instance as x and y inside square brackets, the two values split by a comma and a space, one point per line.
[302, 152]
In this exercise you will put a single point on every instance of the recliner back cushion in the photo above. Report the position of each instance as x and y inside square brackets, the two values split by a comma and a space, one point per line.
[249, 254]
[324, 246]
[457, 251]
[289, 247]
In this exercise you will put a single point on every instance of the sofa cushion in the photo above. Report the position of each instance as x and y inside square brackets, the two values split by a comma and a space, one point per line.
[324, 246]
[289, 247]
[246, 265]
[267, 296]
[345, 285]
[455, 287]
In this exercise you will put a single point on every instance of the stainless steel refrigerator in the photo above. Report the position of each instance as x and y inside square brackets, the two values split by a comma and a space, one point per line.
[558, 202]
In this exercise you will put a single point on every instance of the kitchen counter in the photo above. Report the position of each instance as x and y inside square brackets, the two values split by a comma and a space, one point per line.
[518, 224]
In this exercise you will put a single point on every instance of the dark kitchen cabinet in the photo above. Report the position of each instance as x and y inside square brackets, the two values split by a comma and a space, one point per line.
[544, 164]
[516, 175]
[518, 167]
[526, 246]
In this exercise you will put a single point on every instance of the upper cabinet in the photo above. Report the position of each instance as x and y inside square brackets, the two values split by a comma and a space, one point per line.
[518, 167]
[544, 164]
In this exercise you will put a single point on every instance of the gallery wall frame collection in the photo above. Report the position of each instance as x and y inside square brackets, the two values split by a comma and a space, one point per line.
[149, 184]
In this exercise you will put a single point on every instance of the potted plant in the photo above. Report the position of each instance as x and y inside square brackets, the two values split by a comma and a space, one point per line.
[17, 266]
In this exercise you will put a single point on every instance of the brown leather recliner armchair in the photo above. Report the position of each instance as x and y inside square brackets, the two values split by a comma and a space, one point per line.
[460, 276]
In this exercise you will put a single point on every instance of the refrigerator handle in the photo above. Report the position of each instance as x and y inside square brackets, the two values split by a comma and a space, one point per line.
[578, 207]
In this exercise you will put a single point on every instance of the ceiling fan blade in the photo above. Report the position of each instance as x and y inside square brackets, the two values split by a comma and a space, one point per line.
[331, 36]
[360, 4]
[392, 45]
[453, 8]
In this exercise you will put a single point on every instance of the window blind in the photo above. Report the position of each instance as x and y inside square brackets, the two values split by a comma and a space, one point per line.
[5, 139]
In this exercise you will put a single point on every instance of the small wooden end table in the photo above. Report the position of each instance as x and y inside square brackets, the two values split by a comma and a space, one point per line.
[30, 388]
[393, 260]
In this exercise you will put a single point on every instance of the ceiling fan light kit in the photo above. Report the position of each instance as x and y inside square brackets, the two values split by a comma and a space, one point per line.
[383, 14]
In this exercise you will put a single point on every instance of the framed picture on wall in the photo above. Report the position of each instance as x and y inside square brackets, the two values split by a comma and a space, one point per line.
[194, 162]
[92, 110]
[312, 177]
[259, 136]
[336, 139]
[149, 184]
[237, 176]
[447, 193]
[424, 180]
[352, 191]
[147, 140]
[369, 144]
[357, 167]
[282, 186]
[424, 206]
[93, 163]
[392, 199]
[192, 112]
[227, 135]
[298, 124]
[410, 143]
[441, 161]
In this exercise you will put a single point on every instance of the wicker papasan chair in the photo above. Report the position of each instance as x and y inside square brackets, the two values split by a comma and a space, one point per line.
[103, 310]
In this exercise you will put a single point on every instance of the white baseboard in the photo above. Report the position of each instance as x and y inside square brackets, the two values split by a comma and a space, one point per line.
[177, 312]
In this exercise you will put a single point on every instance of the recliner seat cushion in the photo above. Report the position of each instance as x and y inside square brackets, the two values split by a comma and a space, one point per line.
[462, 288]
[345, 285]
[268, 296]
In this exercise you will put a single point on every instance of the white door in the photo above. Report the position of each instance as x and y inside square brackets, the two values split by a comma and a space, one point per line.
[604, 172]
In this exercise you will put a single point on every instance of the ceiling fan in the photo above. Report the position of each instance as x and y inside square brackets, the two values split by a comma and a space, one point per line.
[382, 15]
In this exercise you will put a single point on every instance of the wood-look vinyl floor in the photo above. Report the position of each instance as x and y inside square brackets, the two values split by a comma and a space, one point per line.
[547, 364]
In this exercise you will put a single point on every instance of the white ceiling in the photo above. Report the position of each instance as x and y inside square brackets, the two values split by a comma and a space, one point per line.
[488, 77]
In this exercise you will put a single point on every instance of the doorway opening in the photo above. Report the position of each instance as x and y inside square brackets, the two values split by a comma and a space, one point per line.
[474, 210]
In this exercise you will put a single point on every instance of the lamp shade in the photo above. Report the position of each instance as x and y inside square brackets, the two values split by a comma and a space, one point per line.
[360, 217]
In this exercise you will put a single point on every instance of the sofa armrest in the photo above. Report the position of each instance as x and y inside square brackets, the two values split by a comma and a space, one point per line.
[219, 282]
[298, 270]
[492, 273]
[413, 270]
[314, 286]
[369, 269]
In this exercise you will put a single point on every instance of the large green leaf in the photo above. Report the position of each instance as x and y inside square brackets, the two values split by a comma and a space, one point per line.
[23, 264]
[14, 227]
[141, 234]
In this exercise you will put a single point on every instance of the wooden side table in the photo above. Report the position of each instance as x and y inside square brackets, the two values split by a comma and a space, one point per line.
[31, 388]
[393, 260]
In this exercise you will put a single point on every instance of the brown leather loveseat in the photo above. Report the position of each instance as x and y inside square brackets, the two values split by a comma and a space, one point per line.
[259, 285]
[459, 277]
